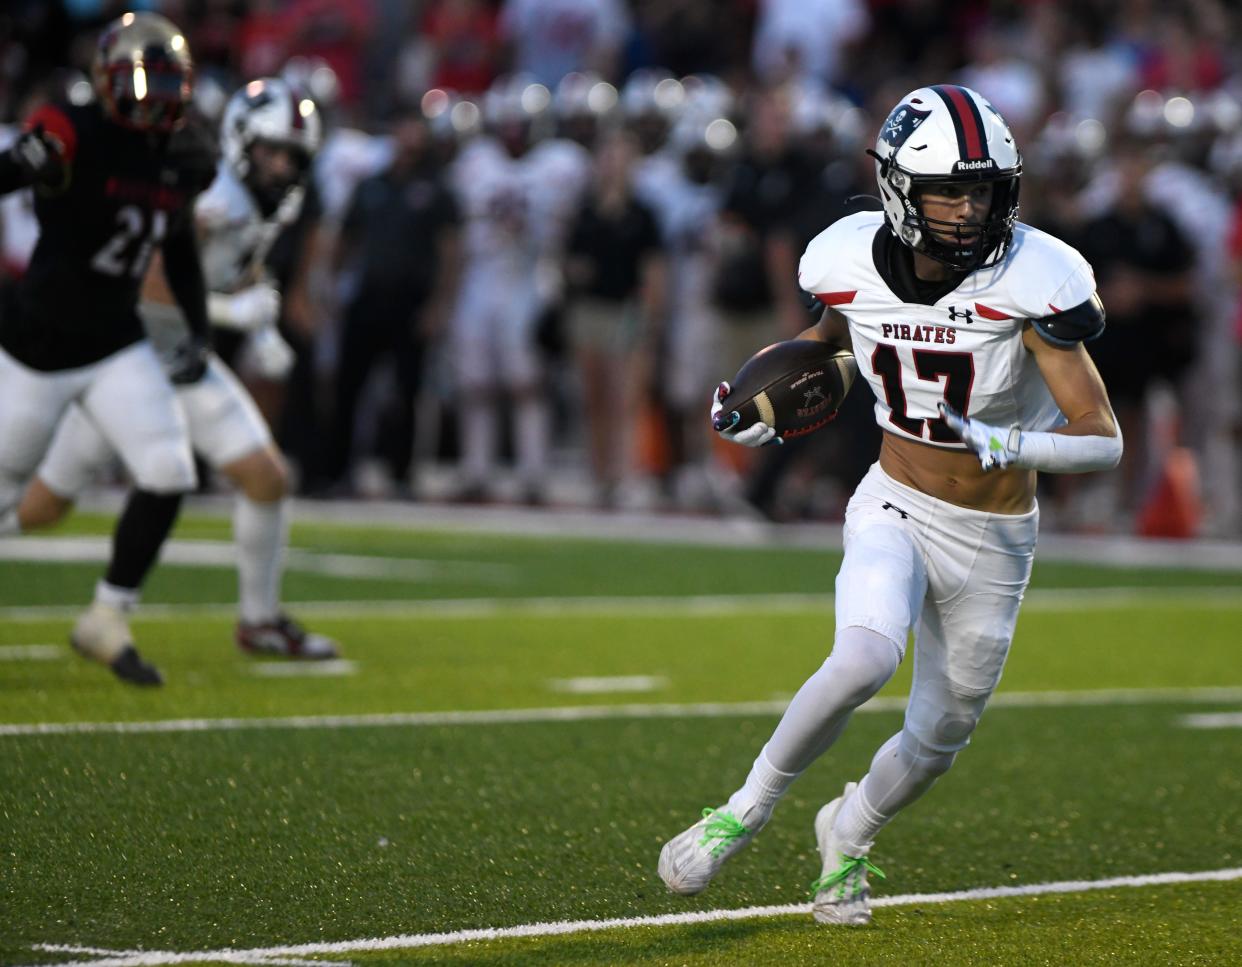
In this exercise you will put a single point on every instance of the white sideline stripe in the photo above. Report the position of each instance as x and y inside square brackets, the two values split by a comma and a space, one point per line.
[1215, 720]
[1041, 600]
[584, 713]
[261, 955]
[202, 553]
[332, 668]
[599, 685]
[31, 652]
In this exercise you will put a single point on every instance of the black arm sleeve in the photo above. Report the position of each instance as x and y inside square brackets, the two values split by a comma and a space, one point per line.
[1079, 324]
[184, 271]
[814, 308]
[14, 176]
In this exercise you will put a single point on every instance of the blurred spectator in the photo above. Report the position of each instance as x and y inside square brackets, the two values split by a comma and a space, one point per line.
[338, 34]
[1006, 78]
[1144, 268]
[262, 42]
[400, 235]
[686, 192]
[550, 38]
[615, 271]
[805, 38]
[455, 47]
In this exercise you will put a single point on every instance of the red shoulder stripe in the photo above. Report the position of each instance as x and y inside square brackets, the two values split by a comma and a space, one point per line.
[57, 124]
[989, 313]
[1053, 308]
[836, 298]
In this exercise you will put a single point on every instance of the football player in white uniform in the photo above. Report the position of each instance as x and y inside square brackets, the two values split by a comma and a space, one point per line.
[516, 191]
[969, 327]
[269, 135]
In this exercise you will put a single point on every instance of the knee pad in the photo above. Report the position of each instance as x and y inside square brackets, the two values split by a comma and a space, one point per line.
[925, 762]
[944, 725]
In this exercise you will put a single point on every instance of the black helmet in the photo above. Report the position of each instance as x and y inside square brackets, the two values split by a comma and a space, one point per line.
[143, 72]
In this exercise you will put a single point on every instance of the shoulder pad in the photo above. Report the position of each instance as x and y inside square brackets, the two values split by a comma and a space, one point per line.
[1083, 322]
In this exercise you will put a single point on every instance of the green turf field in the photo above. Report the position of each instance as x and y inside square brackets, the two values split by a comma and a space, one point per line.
[520, 722]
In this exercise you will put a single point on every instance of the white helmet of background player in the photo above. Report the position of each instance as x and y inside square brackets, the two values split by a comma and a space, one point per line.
[940, 135]
[516, 111]
[263, 117]
[582, 103]
[651, 101]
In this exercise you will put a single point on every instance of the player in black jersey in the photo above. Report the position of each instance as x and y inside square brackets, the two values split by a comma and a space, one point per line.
[114, 179]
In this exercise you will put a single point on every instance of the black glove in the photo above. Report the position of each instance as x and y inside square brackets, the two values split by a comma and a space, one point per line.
[36, 154]
[187, 363]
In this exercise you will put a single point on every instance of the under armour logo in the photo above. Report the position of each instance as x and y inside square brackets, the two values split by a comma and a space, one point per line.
[894, 507]
[964, 314]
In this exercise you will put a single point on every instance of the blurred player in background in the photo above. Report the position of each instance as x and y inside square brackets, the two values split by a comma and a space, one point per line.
[269, 135]
[969, 328]
[115, 179]
[517, 189]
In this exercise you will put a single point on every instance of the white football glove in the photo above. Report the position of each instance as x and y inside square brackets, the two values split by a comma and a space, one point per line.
[247, 310]
[755, 435]
[996, 447]
[270, 354]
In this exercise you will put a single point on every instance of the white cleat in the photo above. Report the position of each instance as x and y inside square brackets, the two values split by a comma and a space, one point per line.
[102, 634]
[842, 895]
[690, 859]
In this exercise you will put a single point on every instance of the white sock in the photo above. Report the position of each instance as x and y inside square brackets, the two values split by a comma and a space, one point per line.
[9, 524]
[752, 805]
[259, 531]
[124, 599]
[531, 424]
[479, 432]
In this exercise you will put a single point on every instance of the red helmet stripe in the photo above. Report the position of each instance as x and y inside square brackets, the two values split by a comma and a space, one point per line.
[970, 138]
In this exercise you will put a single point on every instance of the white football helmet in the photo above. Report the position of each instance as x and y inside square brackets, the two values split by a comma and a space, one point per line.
[947, 134]
[272, 111]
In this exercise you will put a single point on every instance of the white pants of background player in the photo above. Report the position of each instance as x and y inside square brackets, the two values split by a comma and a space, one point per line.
[493, 345]
[956, 577]
[224, 426]
[127, 398]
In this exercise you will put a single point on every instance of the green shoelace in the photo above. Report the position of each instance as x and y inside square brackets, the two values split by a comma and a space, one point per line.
[723, 827]
[850, 865]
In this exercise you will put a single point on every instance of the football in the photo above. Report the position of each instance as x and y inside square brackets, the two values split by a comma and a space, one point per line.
[794, 386]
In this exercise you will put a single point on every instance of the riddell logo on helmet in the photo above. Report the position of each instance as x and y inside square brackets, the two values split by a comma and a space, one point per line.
[974, 165]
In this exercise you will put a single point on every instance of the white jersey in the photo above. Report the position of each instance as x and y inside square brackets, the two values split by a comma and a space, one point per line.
[516, 209]
[965, 349]
[234, 236]
[234, 239]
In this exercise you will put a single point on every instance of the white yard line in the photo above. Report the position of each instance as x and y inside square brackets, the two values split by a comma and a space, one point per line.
[1041, 600]
[606, 684]
[32, 652]
[1213, 720]
[585, 713]
[265, 955]
[332, 668]
[223, 554]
